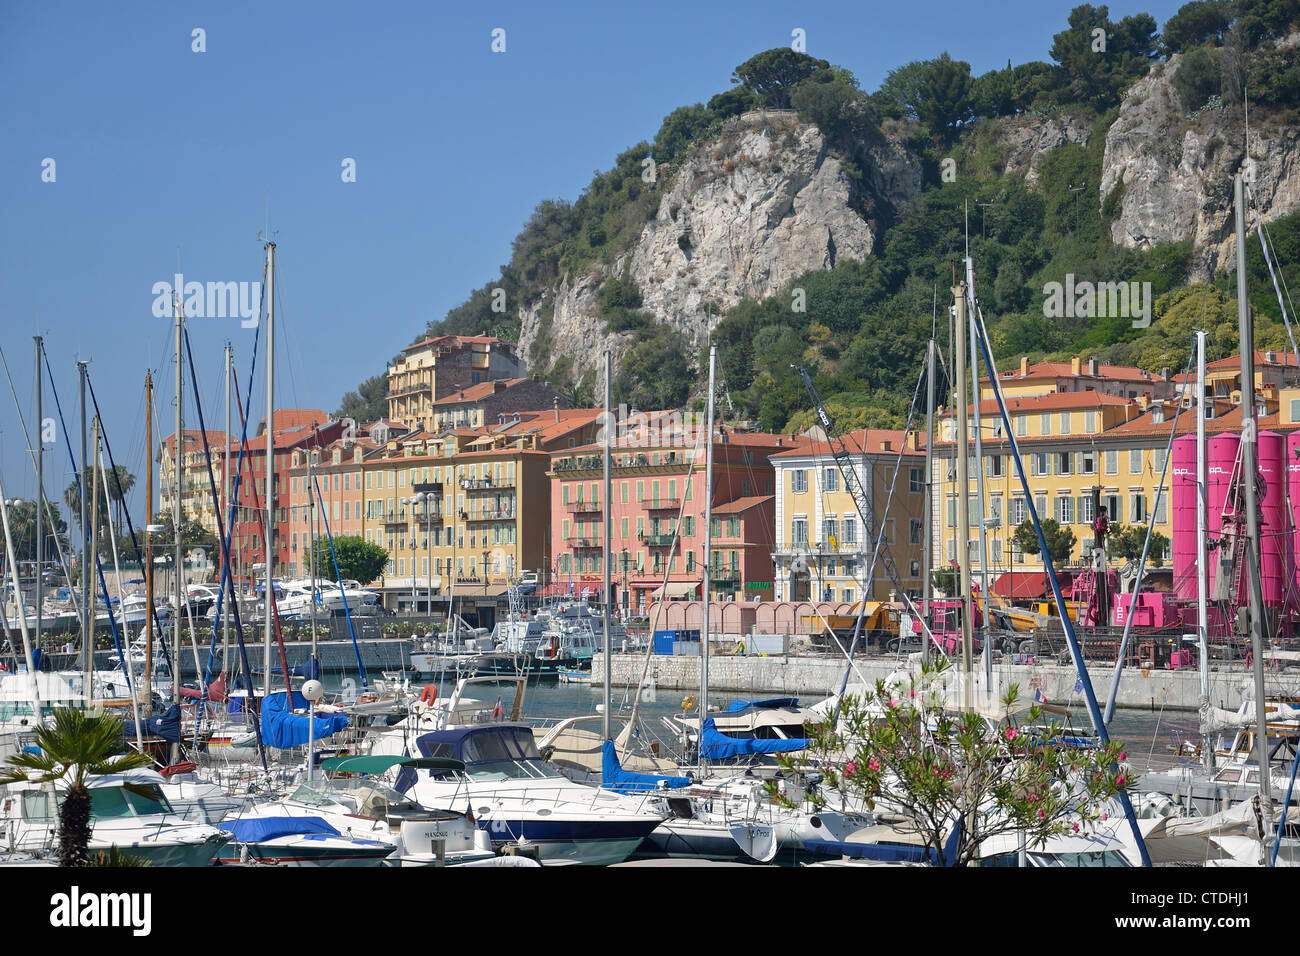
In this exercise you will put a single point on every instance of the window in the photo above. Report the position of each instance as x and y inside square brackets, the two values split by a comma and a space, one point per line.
[1041, 464]
[995, 509]
[1086, 512]
[798, 481]
[1162, 515]
[915, 528]
[1135, 461]
[1158, 456]
[997, 466]
[952, 512]
[1063, 463]
[830, 480]
[1019, 512]
[1022, 426]
[1090, 422]
[799, 532]
[830, 531]
[850, 531]
[1138, 509]
[1040, 505]
[1065, 510]
[1112, 461]
[915, 480]
[1045, 423]
[1087, 462]
[1065, 422]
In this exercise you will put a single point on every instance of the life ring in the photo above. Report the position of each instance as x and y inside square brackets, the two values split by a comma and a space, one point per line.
[688, 703]
[429, 694]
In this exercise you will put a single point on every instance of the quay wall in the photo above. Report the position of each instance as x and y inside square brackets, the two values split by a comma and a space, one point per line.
[1149, 689]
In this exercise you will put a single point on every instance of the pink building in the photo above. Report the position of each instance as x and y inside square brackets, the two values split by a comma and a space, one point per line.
[658, 514]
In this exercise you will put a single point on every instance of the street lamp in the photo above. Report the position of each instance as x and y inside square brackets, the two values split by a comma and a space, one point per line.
[418, 499]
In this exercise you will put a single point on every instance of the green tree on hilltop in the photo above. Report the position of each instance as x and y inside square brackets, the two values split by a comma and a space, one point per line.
[772, 75]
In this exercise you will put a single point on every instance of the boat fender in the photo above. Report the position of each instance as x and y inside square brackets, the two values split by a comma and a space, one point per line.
[429, 694]
[688, 703]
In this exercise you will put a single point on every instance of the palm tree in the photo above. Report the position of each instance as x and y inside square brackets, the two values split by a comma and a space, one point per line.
[77, 747]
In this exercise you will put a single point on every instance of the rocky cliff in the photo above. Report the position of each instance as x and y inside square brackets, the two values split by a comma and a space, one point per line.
[745, 213]
[1175, 170]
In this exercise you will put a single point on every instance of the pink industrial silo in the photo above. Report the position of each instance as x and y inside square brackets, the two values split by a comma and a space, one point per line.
[1221, 459]
[1293, 494]
[1183, 495]
[1273, 523]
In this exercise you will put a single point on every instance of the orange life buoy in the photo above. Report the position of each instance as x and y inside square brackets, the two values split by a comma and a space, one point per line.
[429, 694]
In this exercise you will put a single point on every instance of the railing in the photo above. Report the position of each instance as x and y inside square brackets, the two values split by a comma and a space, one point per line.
[664, 504]
[658, 540]
[491, 514]
[819, 547]
[583, 542]
[580, 507]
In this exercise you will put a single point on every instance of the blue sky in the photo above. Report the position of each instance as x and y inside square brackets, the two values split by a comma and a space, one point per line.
[169, 160]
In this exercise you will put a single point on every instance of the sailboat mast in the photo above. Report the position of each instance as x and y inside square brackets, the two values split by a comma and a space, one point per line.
[609, 557]
[148, 540]
[963, 487]
[986, 651]
[177, 459]
[224, 505]
[1202, 574]
[1250, 472]
[94, 542]
[87, 609]
[270, 465]
[929, 490]
[40, 498]
[708, 553]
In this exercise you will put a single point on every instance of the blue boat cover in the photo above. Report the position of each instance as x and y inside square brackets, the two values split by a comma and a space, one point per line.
[166, 725]
[736, 706]
[715, 745]
[310, 669]
[283, 729]
[887, 852]
[259, 829]
[614, 777]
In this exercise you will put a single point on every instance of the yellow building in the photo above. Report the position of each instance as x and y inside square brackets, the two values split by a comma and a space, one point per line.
[437, 367]
[823, 551]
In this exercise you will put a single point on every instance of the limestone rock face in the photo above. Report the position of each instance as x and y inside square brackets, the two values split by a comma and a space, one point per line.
[1176, 170]
[1029, 139]
[745, 213]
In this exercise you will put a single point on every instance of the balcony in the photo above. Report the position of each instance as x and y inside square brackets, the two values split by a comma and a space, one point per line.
[483, 484]
[664, 504]
[581, 543]
[492, 514]
[730, 583]
[801, 546]
[658, 540]
[582, 507]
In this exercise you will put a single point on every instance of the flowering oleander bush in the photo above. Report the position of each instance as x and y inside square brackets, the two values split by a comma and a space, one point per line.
[910, 754]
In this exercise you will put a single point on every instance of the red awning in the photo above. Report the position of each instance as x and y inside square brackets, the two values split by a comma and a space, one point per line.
[1026, 585]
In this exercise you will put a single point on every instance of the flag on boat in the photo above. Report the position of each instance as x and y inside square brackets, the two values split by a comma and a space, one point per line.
[1039, 696]
[1078, 686]
[498, 710]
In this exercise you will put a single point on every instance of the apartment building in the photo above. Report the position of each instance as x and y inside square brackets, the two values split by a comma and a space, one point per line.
[439, 366]
[823, 549]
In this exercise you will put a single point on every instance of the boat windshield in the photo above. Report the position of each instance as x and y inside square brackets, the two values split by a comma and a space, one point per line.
[129, 799]
[353, 792]
[1092, 858]
[489, 770]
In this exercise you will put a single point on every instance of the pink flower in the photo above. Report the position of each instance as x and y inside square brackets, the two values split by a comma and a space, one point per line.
[850, 768]
[947, 772]
[1011, 733]
[1041, 814]
[1123, 755]
[893, 704]
[873, 763]
[1075, 827]
[1119, 781]
[912, 692]
[1105, 815]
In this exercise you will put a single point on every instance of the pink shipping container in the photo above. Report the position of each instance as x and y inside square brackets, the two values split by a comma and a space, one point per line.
[1153, 610]
[1293, 494]
[1221, 458]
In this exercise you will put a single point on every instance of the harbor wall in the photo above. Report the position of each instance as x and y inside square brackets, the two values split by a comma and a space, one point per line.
[1149, 689]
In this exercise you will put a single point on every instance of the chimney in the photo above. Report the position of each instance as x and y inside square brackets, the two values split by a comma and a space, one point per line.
[1164, 374]
[498, 386]
[1024, 366]
[1092, 367]
[1270, 358]
[1075, 364]
[557, 410]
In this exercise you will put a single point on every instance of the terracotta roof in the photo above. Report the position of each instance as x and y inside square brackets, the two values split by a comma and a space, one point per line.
[292, 418]
[1283, 359]
[1050, 402]
[1125, 373]
[1229, 420]
[742, 504]
[687, 436]
[453, 340]
[480, 391]
[871, 439]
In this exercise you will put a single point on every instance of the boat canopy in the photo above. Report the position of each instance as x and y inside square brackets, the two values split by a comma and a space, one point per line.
[260, 829]
[382, 764]
[736, 706]
[283, 729]
[614, 777]
[477, 744]
[715, 745]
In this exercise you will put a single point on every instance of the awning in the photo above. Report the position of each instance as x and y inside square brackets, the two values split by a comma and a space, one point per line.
[1022, 585]
[381, 764]
[676, 589]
